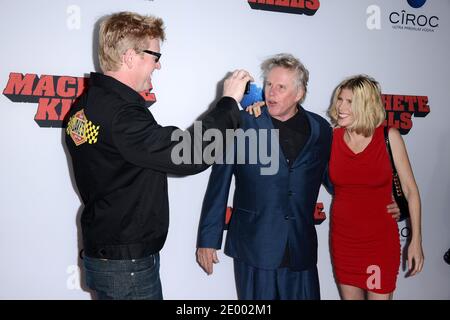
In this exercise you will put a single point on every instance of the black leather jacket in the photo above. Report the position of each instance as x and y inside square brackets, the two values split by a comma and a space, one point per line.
[121, 157]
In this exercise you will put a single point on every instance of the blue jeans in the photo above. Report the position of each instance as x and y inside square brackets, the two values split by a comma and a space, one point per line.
[136, 279]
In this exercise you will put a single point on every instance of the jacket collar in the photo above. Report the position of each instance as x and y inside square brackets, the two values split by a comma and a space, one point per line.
[113, 85]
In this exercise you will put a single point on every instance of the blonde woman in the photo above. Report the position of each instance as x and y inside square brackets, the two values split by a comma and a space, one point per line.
[365, 244]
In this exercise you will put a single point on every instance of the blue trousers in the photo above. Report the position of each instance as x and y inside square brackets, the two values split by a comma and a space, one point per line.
[136, 279]
[279, 284]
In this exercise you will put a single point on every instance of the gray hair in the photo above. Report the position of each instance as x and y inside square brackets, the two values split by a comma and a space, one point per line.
[288, 61]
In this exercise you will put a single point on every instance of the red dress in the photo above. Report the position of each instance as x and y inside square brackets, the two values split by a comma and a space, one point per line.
[365, 243]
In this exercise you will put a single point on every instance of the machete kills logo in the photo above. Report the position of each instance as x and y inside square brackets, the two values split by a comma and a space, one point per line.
[400, 109]
[53, 94]
[308, 7]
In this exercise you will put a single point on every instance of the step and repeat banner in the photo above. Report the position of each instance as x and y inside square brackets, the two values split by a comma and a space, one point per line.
[49, 48]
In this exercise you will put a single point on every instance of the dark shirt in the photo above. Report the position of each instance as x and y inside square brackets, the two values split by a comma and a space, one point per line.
[294, 133]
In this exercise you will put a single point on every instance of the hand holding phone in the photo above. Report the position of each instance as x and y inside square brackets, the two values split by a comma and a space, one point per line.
[234, 85]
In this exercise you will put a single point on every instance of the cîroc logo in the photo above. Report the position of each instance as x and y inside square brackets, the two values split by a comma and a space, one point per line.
[308, 7]
[416, 3]
[53, 94]
[404, 20]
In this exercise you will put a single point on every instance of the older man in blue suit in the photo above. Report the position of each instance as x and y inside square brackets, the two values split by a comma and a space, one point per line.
[271, 235]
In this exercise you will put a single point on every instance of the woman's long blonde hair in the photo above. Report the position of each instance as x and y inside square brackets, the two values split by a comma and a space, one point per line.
[367, 106]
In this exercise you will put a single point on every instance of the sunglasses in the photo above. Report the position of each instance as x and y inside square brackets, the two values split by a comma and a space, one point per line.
[153, 53]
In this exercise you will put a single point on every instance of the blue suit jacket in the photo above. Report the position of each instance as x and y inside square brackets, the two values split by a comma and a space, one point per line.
[270, 211]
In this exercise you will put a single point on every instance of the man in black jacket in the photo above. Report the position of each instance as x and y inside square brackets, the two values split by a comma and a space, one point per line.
[121, 157]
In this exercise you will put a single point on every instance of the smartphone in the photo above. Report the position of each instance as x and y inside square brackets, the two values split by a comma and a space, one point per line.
[247, 88]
